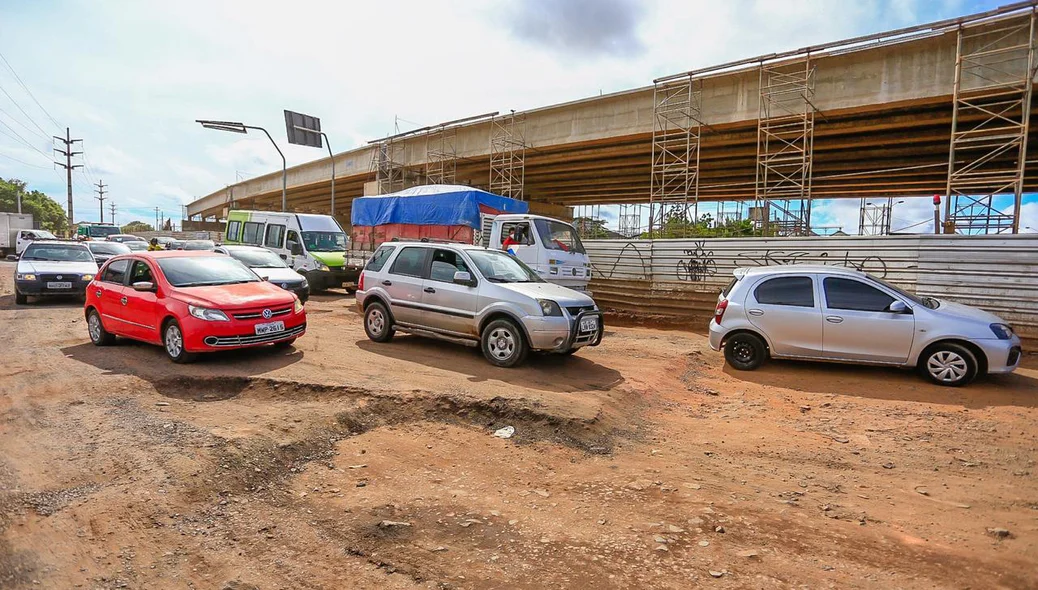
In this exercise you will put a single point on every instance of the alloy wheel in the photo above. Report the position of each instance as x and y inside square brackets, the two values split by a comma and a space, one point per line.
[94, 327]
[174, 341]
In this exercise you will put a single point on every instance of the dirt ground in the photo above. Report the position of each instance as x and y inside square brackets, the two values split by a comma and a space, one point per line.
[643, 463]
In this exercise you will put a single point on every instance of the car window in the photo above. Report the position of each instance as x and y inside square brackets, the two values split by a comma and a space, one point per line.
[854, 295]
[410, 262]
[379, 258]
[519, 232]
[115, 272]
[444, 264]
[728, 287]
[253, 233]
[141, 273]
[274, 235]
[793, 291]
[233, 229]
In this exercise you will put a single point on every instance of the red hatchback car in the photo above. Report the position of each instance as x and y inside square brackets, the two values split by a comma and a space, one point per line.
[189, 302]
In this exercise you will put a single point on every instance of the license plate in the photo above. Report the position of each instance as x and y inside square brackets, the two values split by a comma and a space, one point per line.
[589, 324]
[62, 285]
[270, 328]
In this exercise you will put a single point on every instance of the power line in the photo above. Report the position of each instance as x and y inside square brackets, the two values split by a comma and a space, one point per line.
[21, 162]
[24, 141]
[31, 120]
[29, 92]
[24, 126]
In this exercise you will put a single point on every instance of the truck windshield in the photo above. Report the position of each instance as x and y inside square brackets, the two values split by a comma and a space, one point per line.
[324, 241]
[556, 235]
[197, 271]
[57, 253]
[501, 267]
[100, 231]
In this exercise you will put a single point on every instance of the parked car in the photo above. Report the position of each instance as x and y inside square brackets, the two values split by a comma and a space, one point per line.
[189, 302]
[270, 267]
[53, 268]
[135, 246]
[192, 245]
[102, 251]
[474, 296]
[125, 238]
[165, 241]
[836, 314]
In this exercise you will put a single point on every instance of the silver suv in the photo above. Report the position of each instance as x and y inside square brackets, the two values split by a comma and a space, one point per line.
[836, 314]
[473, 296]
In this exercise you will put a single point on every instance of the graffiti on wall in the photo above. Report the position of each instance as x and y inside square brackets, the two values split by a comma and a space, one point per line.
[700, 264]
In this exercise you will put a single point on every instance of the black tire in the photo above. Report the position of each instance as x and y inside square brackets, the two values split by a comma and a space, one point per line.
[378, 324]
[20, 298]
[950, 365]
[173, 343]
[351, 290]
[745, 352]
[503, 343]
[285, 343]
[96, 329]
[570, 351]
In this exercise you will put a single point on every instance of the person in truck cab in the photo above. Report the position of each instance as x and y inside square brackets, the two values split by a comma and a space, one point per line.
[511, 239]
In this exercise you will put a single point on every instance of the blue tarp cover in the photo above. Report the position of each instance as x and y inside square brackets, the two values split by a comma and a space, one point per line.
[437, 204]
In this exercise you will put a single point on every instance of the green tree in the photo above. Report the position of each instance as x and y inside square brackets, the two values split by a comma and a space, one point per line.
[677, 225]
[136, 226]
[592, 229]
[44, 210]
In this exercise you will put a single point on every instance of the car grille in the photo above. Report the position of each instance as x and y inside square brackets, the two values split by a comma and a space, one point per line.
[253, 339]
[1014, 357]
[65, 276]
[251, 315]
[573, 311]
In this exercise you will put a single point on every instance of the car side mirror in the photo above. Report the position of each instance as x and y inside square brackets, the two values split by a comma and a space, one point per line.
[898, 306]
[295, 249]
[264, 278]
[144, 286]
[284, 256]
[463, 278]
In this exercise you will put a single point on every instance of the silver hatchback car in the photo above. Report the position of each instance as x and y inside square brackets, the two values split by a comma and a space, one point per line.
[473, 296]
[836, 314]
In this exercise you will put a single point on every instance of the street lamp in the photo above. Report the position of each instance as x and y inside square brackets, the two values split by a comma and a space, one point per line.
[235, 127]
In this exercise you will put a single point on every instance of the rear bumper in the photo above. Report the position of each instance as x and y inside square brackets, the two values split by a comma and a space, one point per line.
[716, 335]
[1003, 355]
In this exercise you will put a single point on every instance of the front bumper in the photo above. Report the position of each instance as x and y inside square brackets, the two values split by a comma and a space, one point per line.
[39, 288]
[562, 333]
[334, 277]
[1003, 355]
[205, 336]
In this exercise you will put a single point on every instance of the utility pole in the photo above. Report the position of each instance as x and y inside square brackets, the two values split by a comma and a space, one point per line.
[111, 207]
[68, 166]
[157, 213]
[101, 198]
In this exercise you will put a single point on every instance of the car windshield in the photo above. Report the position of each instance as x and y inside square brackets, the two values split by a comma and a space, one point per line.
[108, 248]
[924, 301]
[258, 258]
[556, 235]
[196, 271]
[135, 246]
[501, 267]
[57, 253]
[199, 245]
[324, 241]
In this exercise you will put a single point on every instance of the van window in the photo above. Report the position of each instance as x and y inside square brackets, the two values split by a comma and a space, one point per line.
[410, 262]
[292, 241]
[274, 235]
[379, 258]
[793, 291]
[252, 233]
[233, 231]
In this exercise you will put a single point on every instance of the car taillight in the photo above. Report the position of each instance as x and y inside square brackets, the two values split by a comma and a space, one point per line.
[719, 310]
[360, 283]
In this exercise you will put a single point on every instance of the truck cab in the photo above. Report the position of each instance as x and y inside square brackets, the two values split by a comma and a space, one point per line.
[27, 236]
[549, 246]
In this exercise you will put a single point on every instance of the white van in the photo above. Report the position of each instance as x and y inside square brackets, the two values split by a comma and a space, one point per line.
[549, 246]
[313, 245]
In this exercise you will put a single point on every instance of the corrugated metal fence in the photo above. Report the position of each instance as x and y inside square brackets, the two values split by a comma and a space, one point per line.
[683, 277]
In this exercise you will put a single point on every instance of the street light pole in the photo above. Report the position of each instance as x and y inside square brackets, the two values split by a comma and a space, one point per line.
[236, 127]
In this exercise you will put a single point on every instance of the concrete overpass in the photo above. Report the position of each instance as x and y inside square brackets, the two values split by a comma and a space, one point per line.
[881, 114]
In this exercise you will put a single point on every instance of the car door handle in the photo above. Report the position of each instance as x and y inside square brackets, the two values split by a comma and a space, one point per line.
[387, 283]
[833, 319]
[755, 311]
[123, 301]
[429, 290]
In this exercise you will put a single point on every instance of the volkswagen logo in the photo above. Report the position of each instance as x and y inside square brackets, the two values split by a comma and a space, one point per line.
[59, 277]
[284, 285]
[267, 314]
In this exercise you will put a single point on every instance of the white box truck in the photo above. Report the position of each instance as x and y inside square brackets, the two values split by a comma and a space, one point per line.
[16, 232]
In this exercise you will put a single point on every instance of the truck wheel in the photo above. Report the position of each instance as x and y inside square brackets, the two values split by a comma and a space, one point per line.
[20, 298]
[503, 343]
[98, 335]
[377, 323]
[745, 352]
[949, 364]
[173, 342]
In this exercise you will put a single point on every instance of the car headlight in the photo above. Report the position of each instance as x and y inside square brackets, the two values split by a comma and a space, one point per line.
[299, 305]
[318, 265]
[304, 284]
[1002, 331]
[25, 277]
[210, 315]
[549, 307]
[88, 277]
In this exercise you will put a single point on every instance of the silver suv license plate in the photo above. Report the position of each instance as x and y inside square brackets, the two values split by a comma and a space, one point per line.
[270, 328]
[588, 324]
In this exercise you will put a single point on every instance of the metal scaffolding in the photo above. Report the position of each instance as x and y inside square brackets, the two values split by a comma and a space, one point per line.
[785, 147]
[994, 72]
[874, 220]
[674, 186]
[387, 166]
[629, 221]
[441, 155]
[508, 155]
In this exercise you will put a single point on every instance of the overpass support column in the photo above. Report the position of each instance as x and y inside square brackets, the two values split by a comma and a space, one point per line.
[994, 74]
[674, 186]
[785, 148]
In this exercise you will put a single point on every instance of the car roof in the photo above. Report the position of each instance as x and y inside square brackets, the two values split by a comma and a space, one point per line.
[159, 254]
[58, 242]
[236, 246]
[779, 269]
[433, 244]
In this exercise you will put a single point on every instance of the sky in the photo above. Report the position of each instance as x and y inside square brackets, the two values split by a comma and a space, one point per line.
[131, 77]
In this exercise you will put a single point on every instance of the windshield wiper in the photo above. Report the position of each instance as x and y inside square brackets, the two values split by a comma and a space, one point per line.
[498, 280]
